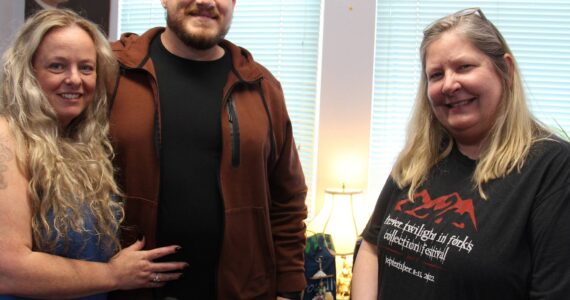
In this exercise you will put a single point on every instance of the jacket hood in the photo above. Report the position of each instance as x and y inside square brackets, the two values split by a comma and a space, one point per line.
[132, 50]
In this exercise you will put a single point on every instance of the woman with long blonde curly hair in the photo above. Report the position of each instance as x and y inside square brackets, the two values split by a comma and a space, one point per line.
[478, 202]
[59, 208]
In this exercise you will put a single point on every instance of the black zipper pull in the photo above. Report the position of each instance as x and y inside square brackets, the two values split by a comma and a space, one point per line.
[234, 132]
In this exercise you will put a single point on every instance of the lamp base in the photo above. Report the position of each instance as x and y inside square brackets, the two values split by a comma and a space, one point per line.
[343, 279]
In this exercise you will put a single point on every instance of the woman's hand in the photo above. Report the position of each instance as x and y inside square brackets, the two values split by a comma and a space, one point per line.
[134, 268]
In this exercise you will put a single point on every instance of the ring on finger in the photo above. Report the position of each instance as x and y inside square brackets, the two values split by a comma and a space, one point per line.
[156, 277]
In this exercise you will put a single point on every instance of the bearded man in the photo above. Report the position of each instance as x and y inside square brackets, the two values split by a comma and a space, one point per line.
[206, 158]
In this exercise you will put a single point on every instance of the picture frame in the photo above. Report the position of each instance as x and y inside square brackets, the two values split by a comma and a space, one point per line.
[98, 11]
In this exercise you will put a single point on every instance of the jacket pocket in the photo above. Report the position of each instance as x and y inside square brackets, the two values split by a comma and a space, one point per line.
[247, 265]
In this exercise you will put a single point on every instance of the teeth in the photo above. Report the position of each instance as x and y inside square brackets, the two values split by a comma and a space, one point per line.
[460, 103]
[70, 96]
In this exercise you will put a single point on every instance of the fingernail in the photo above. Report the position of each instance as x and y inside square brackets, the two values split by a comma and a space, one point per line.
[140, 237]
[177, 249]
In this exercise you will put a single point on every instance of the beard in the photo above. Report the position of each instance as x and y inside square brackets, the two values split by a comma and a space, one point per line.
[196, 40]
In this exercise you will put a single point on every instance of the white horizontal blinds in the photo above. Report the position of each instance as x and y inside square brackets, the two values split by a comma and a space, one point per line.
[539, 36]
[138, 16]
[538, 33]
[284, 37]
[281, 35]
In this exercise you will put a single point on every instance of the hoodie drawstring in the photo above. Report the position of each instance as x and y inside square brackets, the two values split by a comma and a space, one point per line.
[272, 153]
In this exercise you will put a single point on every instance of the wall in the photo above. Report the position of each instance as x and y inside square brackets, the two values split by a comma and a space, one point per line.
[346, 89]
[11, 18]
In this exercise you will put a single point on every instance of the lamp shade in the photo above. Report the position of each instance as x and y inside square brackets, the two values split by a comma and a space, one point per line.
[337, 219]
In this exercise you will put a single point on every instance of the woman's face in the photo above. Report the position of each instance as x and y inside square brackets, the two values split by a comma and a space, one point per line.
[65, 66]
[463, 88]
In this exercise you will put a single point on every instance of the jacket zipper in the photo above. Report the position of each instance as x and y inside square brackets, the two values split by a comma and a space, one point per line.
[234, 132]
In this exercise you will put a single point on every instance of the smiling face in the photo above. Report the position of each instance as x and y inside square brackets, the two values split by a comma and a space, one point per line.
[200, 24]
[463, 88]
[65, 67]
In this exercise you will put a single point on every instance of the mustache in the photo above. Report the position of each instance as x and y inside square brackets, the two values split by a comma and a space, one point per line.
[206, 10]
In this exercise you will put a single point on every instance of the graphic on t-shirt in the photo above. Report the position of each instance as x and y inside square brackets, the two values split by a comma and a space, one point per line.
[416, 239]
[450, 206]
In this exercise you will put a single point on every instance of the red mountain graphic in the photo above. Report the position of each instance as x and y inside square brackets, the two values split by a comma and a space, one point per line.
[450, 207]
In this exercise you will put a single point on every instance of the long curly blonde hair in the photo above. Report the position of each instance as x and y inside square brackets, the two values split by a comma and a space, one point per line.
[509, 140]
[69, 169]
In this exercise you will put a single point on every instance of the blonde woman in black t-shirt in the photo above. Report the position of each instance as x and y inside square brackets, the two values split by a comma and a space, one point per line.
[478, 202]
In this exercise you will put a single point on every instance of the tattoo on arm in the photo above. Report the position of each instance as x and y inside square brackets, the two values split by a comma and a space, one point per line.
[5, 156]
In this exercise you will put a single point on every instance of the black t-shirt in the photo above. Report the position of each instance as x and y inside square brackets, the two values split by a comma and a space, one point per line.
[190, 207]
[451, 244]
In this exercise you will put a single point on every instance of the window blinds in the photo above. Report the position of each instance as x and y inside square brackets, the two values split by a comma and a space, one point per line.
[538, 33]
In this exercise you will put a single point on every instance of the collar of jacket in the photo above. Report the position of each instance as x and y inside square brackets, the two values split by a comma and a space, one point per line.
[134, 52]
